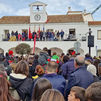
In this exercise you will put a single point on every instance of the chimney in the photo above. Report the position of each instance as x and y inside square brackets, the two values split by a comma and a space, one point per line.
[69, 8]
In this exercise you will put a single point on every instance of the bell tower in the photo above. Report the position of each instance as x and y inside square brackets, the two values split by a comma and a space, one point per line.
[38, 12]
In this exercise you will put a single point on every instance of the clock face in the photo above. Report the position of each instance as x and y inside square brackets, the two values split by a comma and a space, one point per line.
[37, 17]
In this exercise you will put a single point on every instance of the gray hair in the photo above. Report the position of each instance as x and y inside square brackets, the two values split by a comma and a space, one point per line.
[80, 60]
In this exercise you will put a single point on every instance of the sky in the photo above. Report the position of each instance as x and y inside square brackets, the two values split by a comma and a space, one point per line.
[54, 7]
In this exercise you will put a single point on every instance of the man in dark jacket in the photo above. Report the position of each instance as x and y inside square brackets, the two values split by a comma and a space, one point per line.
[68, 68]
[80, 77]
[58, 82]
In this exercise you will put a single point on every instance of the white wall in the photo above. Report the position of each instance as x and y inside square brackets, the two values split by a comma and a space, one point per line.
[64, 45]
[81, 28]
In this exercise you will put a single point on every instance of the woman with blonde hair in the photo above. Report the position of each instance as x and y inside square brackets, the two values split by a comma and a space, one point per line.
[52, 95]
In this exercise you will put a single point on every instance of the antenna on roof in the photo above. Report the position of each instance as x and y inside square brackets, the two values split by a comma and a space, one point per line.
[96, 9]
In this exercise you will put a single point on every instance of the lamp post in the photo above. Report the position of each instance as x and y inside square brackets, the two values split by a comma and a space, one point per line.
[90, 41]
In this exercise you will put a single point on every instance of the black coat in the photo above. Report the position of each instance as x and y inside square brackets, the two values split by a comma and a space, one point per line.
[22, 84]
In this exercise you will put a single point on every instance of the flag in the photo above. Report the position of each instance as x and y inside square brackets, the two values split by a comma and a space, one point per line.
[34, 43]
[47, 21]
[30, 34]
[43, 29]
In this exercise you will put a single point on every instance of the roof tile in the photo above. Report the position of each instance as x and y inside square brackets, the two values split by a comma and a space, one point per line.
[94, 23]
[51, 19]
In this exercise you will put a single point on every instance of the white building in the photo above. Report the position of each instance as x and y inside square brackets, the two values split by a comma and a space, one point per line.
[74, 22]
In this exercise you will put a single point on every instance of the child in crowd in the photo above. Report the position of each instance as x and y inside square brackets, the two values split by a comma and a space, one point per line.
[40, 87]
[52, 95]
[77, 94]
[93, 92]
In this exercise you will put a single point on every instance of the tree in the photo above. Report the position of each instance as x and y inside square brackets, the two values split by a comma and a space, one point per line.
[23, 48]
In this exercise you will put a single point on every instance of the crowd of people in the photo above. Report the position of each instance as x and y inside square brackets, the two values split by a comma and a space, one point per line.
[40, 36]
[69, 77]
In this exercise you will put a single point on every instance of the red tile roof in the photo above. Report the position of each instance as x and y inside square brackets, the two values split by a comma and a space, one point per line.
[94, 23]
[51, 19]
[65, 18]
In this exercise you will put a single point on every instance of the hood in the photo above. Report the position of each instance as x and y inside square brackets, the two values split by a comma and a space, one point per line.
[16, 79]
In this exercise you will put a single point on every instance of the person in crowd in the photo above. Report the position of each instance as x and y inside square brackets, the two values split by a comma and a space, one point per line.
[30, 63]
[6, 67]
[54, 56]
[96, 62]
[63, 60]
[77, 94]
[92, 69]
[58, 35]
[16, 34]
[23, 36]
[62, 34]
[4, 88]
[33, 35]
[19, 37]
[35, 63]
[39, 71]
[52, 95]
[13, 37]
[41, 35]
[44, 35]
[58, 82]
[8, 36]
[99, 71]
[12, 33]
[42, 60]
[80, 77]
[40, 87]
[19, 80]
[93, 92]
[87, 56]
[47, 36]
[68, 67]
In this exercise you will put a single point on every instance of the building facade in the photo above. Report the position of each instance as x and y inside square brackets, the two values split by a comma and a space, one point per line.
[76, 23]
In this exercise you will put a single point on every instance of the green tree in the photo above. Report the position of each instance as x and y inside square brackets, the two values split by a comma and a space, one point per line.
[23, 48]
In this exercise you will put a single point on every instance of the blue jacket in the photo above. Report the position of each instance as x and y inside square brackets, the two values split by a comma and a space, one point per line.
[58, 82]
[68, 68]
[80, 77]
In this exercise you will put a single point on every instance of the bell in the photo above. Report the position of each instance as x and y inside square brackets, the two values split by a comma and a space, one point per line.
[37, 8]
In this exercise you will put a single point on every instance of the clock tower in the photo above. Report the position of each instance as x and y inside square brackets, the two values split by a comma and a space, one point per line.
[38, 12]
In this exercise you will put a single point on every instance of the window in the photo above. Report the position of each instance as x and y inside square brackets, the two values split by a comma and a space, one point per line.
[99, 34]
[98, 52]
[71, 33]
[37, 8]
[6, 32]
[25, 31]
[50, 30]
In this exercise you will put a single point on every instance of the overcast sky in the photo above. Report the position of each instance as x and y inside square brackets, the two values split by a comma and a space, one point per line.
[21, 7]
